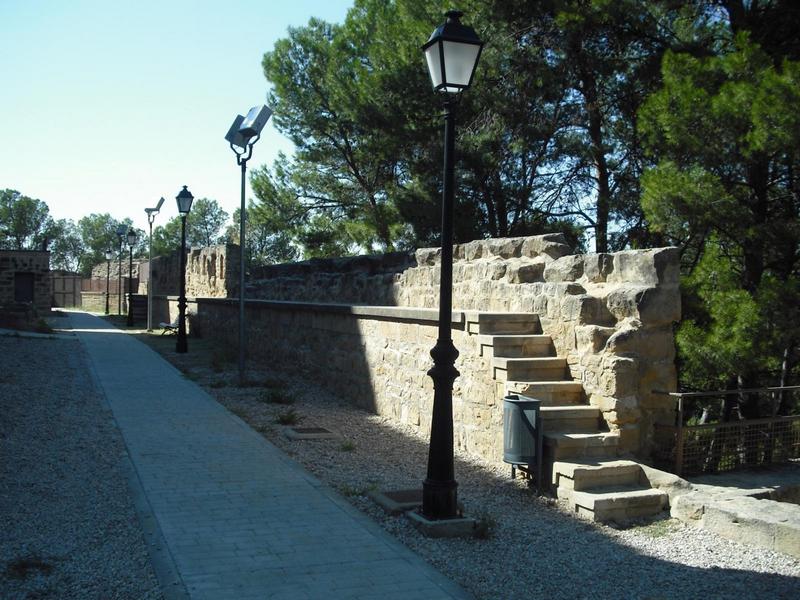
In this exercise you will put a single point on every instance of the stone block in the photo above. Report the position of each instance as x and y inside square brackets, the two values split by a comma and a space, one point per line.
[592, 338]
[565, 268]
[504, 247]
[660, 266]
[519, 272]
[551, 246]
[597, 267]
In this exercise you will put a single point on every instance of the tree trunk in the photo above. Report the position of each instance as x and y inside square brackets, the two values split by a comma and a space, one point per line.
[595, 125]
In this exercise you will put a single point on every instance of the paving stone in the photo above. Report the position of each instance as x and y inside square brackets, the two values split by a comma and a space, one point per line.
[239, 518]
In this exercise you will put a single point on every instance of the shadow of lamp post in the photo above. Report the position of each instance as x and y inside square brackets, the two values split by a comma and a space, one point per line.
[242, 135]
[109, 256]
[184, 199]
[151, 216]
[131, 244]
[121, 231]
[452, 54]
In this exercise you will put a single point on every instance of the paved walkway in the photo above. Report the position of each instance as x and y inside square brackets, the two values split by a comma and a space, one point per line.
[238, 518]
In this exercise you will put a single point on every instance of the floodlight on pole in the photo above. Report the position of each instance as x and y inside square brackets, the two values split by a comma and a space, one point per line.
[151, 216]
[452, 54]
[244, 132]
[121, 231]
[131, 243]
[184, 199]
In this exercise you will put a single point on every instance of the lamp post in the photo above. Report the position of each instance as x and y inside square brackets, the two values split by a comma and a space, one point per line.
[121, 231]
[452, 54]
[109, 255]
[131, 244]
[184, 199]
[242, 135]
[151, 216]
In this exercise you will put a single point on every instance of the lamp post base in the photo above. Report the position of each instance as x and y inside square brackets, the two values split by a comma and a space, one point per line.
[440, 499]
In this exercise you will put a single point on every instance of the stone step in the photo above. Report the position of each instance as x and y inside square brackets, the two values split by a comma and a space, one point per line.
[551, 393]
[503, 323]
[582, 476]
[615, 503]
[516, 346]
[566, 445]
[552, 368]
[581, 418]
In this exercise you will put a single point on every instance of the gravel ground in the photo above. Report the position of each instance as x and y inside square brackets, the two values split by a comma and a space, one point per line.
[533, 549]
[68, 528]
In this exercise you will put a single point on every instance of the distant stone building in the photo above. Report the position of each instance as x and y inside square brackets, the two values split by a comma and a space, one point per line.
[25, 279]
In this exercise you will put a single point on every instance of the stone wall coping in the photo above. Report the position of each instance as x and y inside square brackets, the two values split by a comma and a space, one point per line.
[393, 313]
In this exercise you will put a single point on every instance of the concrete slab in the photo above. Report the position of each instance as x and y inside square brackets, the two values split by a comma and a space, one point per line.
[396, 502]
[443, 528]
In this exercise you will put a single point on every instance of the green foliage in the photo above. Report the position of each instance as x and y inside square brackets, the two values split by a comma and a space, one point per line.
[726, 132]
[288, 417]
[203, 228]
[98, 233]
[276, 396]
[25, 223]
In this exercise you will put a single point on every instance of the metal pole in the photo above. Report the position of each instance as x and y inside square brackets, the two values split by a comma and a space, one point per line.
[119, 280]
[108, 276]
[242, 219]
[181, 345]
[150, 277]
[130, 288]
[439, 490]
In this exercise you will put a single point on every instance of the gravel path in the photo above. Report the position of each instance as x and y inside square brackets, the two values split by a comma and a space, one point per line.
[67, 523]
[534, 549]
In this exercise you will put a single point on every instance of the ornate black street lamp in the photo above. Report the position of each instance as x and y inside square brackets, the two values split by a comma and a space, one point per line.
[121, 231]
[184, 199]
[131, 244]
[452, 54]
[109, 255]
[242, 135]
[151, 216]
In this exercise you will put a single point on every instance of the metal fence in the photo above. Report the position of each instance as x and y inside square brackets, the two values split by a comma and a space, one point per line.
[716, 447]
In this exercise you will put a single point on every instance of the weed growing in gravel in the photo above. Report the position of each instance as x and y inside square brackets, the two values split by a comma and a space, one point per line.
[20, 567]
[350, 491]
[288, 417]
[347, 446]
[275, 396]
[220, 383]
[657, 529]
[41, 326]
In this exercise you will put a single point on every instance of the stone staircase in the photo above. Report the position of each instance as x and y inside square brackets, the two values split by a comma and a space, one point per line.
[580, 455]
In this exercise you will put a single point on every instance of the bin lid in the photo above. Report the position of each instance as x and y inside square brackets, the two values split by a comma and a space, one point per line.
[521, 400]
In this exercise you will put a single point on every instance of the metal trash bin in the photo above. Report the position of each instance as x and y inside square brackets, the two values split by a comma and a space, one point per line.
[522, 434]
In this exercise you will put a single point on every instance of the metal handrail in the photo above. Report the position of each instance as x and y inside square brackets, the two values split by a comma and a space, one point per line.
[727, 392]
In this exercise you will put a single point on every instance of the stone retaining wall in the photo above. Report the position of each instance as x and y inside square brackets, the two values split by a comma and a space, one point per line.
[610, 316]
[376, 357]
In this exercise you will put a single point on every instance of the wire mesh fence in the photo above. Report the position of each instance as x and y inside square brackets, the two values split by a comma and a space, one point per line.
[717, 447]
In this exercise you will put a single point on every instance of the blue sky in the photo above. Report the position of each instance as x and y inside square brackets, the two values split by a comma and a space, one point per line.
[108, 105]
